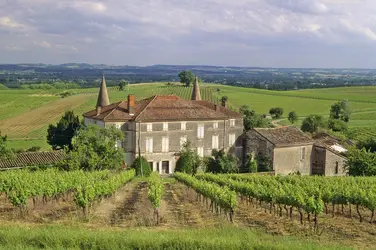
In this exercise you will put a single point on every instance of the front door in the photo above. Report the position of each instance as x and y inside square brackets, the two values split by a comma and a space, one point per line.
[165, 167]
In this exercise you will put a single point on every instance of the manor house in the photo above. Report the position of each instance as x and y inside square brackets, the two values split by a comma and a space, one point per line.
[158, 126]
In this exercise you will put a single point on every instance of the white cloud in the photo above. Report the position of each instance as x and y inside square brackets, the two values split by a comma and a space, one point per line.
[170, 26]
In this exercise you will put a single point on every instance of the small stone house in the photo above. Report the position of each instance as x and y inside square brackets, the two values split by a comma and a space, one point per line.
[291, 151]
[157, 127]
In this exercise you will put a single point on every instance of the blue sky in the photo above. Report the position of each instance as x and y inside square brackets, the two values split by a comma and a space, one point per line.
[267, 33]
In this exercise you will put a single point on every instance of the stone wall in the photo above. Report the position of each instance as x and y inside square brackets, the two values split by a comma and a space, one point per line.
[318, 161]
[293, 159]
[254, 142]
[334, 164]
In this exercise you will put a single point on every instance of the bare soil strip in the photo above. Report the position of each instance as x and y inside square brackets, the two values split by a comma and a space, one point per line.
[180, 208]
[134, 210]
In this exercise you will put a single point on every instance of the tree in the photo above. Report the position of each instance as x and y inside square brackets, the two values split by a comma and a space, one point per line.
[293, 117]
[276, 113]
[312, 123]
[340, 111]
[252, 120]
[61, 134]
[361, 162]
[224, 98]
[189, 161]
[122, 84]
[95, 148]
[187, 77]
[222, 163]
[5, 152]
[141, 162]
[337, 125]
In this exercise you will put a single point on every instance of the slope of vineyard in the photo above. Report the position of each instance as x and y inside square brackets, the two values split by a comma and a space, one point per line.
[26, 114]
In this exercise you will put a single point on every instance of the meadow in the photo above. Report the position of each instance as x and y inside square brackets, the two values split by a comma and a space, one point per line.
[26, 114]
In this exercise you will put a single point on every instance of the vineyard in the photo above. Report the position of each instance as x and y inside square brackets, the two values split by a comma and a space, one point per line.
[318, 205]
[51, 185]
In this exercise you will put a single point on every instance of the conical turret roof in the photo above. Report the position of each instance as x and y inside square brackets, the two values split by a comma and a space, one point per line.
[103, 100]
[196, 95]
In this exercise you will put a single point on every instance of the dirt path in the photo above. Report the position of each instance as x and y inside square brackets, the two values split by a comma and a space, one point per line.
[180, 208]
[134, 209]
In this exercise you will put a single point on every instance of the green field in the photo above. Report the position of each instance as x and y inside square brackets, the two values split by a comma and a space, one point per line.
[25, 114]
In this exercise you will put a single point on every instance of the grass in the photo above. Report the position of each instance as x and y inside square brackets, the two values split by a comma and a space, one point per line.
[76, 237]
[26, 114]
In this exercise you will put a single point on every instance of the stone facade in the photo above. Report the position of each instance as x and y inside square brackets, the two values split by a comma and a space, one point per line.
[176, 133]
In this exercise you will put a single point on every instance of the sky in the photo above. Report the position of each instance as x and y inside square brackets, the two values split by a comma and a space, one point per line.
[251, 33]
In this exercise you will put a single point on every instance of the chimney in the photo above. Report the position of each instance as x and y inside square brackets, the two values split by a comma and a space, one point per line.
[216, 107]
[99, 110]
[131, 102]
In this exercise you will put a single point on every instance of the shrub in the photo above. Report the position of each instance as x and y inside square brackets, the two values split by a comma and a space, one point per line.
[189, 161]
[141, 162]
[252, 166]
[337, 125]
[276, 112]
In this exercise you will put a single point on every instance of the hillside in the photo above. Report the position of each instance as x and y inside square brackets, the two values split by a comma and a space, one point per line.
[26, 114]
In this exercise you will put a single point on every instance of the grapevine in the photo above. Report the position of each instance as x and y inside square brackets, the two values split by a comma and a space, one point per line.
[155, 193]
[220, 197]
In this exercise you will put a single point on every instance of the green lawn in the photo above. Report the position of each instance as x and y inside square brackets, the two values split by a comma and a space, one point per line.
[78, 237]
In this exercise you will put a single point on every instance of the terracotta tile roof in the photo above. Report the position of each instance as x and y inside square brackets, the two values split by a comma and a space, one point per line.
[163, 108]
[32, 159]
[118, 111]
[285, 136]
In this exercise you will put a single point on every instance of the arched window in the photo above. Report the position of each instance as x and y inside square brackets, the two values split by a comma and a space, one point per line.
[336, 169]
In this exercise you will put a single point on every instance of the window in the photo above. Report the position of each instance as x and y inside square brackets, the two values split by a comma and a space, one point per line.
[149, 145]
[232, 123]
[183, 140]
[149, 127]
[200, 151]
[215, 142]
[200, 131]
[231, 139]
[165, 144]
[302, 154]
[165, 126]
[337, 168]
[215, 125]
[183, 126]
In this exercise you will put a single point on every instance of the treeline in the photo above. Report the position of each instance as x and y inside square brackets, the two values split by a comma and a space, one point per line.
[56, 85]
[87, 76]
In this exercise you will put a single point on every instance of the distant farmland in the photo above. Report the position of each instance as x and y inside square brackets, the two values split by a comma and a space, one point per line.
[25, 114]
